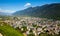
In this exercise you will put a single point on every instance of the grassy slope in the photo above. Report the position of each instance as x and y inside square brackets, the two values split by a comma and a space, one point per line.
[6, 30]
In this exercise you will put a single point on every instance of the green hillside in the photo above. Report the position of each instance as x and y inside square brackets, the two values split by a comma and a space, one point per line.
[6, 30]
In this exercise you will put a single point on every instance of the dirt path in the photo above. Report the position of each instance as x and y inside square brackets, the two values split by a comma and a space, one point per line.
[1, 34]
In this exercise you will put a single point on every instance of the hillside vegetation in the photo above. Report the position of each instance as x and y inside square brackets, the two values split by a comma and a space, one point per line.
[7, 30]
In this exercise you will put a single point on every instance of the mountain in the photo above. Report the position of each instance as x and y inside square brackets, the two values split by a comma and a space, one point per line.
[44, 11]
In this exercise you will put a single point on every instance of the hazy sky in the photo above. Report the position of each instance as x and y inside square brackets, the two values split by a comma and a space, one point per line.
[11, 6]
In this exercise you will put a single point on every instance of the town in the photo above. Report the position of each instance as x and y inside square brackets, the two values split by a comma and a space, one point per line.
[34, 25]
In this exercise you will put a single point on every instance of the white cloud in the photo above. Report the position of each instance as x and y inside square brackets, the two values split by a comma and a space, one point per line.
[6, 11]
[27, 5]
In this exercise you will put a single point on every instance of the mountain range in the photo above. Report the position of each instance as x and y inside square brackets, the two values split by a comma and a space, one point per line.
[44, 11]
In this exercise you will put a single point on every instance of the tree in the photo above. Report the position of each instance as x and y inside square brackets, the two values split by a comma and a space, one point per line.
[31, 34]
[24, 28]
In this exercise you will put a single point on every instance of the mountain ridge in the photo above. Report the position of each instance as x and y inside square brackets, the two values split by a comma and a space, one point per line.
[45, 11]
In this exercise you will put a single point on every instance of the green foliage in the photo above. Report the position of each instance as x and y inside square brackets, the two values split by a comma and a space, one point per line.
[24, 29]
[7, 30]
[46, 34]
[31, 34]
[58, 24]
[43, 34]
[34, 25]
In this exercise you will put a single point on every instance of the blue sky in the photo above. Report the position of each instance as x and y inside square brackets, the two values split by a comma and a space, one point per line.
[11, 6]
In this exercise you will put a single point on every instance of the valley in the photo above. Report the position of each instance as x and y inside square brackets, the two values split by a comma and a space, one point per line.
[29, 18]
[29, 26]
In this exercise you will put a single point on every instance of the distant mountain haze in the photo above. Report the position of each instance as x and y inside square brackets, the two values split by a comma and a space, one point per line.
[4, 14]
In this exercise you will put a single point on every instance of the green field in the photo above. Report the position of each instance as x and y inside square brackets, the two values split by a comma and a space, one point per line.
[7, 30]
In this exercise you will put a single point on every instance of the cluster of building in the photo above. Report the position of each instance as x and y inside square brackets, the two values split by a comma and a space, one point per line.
[35, 25]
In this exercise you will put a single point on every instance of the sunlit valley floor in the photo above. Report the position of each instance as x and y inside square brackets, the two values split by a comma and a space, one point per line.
[28, 26]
